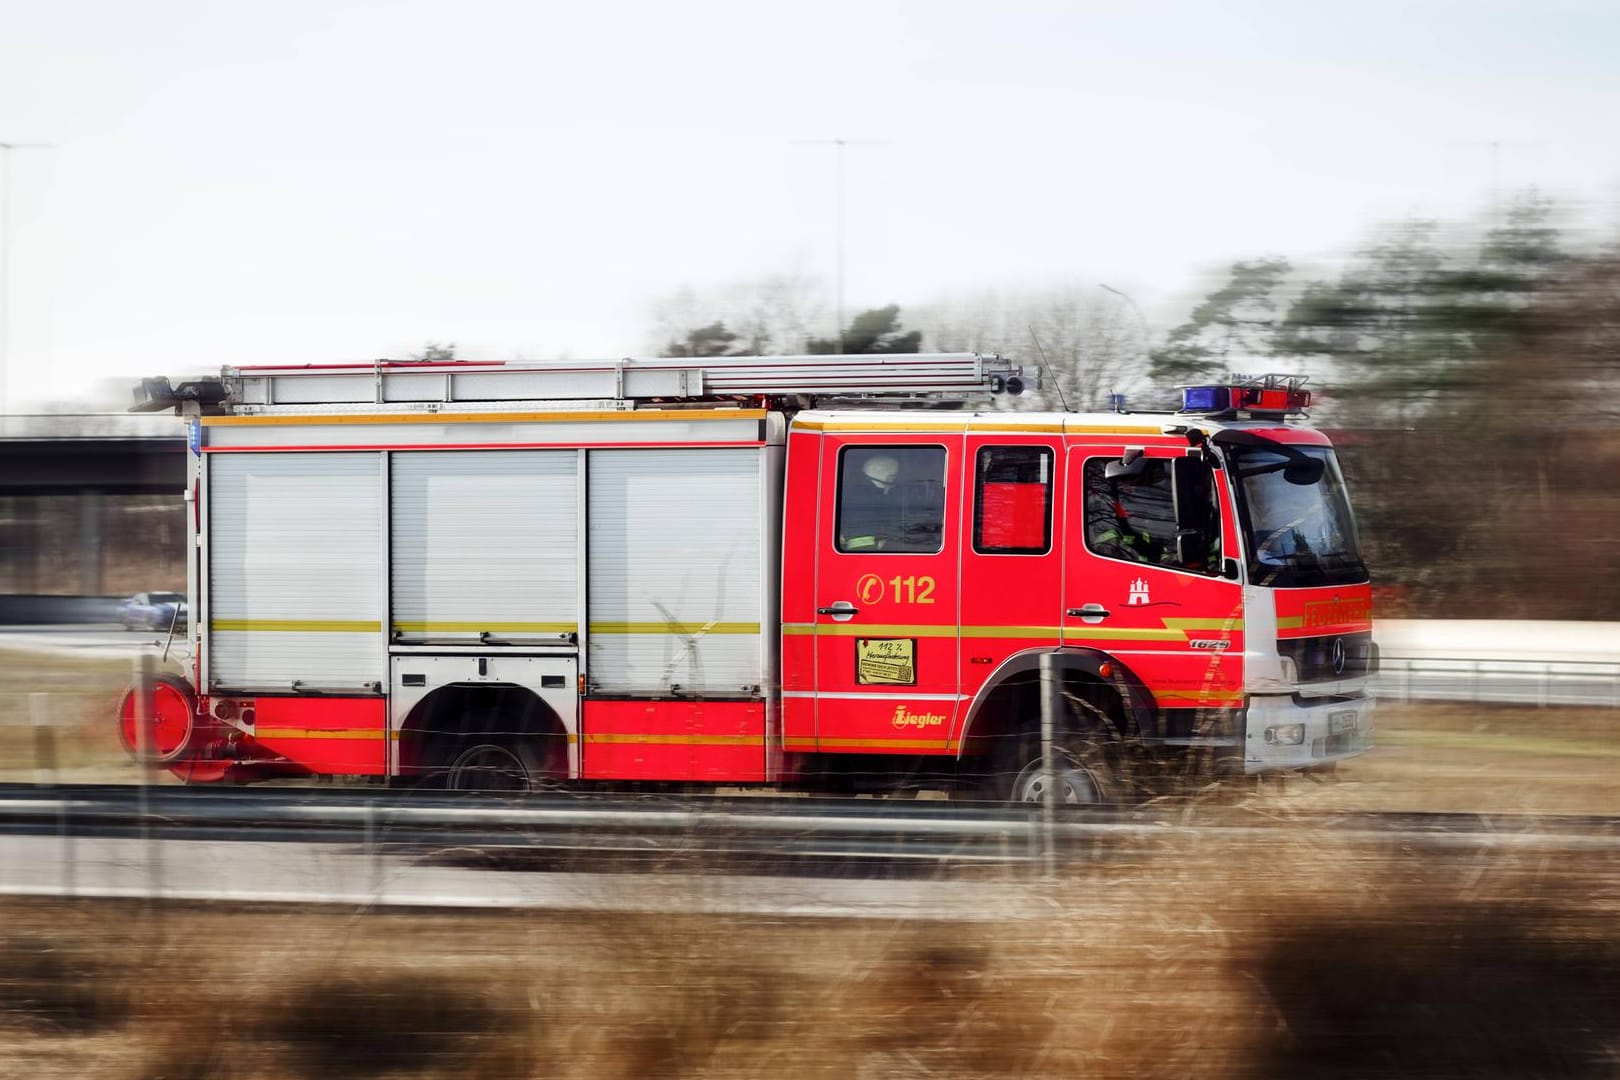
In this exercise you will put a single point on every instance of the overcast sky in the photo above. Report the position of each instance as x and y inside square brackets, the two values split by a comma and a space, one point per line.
[329, 181]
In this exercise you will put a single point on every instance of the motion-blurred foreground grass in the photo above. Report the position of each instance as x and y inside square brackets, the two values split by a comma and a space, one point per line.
[1302, 951]
[1299, 955]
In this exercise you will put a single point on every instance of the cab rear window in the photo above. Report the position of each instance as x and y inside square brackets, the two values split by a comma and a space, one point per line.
[891, 499]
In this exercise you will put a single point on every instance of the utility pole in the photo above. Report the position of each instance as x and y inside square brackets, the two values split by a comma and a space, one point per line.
[839, 145]
[5, 258]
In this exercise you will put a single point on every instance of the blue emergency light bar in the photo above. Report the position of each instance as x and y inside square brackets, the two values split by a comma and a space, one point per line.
[1206, 398]
[1266, 394]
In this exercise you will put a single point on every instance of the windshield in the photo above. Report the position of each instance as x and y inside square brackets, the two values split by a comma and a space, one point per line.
[1295, 515]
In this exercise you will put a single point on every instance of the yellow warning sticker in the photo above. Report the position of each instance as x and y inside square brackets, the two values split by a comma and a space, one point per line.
[886, 661]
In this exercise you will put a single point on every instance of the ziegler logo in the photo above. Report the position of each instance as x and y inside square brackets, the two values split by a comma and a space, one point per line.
[904, 719]
[1337, 612]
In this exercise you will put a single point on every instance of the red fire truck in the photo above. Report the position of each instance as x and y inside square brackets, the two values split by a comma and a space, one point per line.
[782, 571]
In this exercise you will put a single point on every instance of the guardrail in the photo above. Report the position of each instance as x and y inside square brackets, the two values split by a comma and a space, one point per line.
[1521, 682]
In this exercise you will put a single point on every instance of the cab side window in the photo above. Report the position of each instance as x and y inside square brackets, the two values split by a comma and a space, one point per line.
[1012, 500]
[891, 499]
[1169, 506]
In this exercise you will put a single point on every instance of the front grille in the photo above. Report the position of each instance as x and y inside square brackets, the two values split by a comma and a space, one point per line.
[1314, 656]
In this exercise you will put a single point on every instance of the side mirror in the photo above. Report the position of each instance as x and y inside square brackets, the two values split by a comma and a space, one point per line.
[1304, 471]
[1134, 463]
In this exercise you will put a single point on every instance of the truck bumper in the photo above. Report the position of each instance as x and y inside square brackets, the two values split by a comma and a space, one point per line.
[1281, 732]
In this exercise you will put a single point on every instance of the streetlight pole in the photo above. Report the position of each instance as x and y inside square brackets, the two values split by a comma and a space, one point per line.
[840, 144]
[5, 258]
[1147, 335]
[1118, 400]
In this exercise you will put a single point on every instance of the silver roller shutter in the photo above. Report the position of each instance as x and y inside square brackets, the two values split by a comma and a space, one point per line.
[675, 587]
[294, 558]
[485, 541]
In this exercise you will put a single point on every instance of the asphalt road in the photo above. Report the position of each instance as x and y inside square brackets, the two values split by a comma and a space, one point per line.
[83, 640]
[326, 874]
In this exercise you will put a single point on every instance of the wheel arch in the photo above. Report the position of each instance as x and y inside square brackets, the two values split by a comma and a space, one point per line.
[986, 717]
[455, 712]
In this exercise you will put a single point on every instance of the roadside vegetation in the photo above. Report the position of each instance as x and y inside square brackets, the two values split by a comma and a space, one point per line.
[1307, 954]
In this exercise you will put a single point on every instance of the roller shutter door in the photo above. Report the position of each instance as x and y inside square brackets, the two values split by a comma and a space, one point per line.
[675, 589]
[295, 570]
[485, 542]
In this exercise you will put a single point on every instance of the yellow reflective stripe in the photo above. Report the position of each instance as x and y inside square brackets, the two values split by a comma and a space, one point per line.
[1290, 622]
[1122, 634]
[883, 630]
[324, 733]
[979, 632]
[492, 627]
[300, 626]
[684, 628]
[482, 418]
[677, 740]
[1197, 698]
[852, 629]
[1009, 427]
[935, 428]
[1234, 623]
[871, 744]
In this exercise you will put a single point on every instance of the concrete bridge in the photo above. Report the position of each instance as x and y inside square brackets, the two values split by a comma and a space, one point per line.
[89, 459]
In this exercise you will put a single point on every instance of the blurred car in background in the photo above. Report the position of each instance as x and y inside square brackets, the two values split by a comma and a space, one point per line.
[152, 611]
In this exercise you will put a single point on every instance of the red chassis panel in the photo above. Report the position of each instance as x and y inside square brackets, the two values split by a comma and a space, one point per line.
[332, 736]
[709, 741]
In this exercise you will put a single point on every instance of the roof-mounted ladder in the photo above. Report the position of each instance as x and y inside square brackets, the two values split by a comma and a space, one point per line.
[424, 384]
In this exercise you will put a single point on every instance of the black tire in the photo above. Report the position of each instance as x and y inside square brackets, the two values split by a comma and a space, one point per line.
[1090, 762]
[1086, 771]
[513, 764]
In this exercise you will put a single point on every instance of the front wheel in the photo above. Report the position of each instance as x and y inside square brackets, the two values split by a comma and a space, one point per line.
[1077, 783]
[1082, 772]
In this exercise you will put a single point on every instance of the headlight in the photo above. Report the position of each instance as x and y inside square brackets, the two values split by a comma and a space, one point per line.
[1286, 734]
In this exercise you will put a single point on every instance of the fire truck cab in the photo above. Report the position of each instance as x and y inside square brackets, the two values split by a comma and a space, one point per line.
[760, 570]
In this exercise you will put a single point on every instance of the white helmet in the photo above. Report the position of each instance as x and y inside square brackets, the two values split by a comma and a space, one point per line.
[882, 470]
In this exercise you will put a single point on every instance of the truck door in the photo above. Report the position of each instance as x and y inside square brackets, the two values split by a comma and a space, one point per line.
[886, 592]
[1012, 553]
[1147, 538]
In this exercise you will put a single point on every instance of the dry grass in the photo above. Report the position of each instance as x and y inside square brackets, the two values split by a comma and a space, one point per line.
[1478, 758]
[1303, 953]
[80, 739]
[1184, 958]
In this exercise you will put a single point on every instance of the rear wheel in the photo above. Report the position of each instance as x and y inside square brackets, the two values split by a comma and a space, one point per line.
[510, 763]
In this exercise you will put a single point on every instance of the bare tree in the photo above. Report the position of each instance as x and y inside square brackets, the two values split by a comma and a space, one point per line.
[1092, 346]
[773, 313]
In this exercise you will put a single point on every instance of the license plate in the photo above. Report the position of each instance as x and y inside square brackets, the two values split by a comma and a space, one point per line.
[1341, 722]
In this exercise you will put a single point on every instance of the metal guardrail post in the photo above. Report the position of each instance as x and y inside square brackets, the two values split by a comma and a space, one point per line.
[1049, 766]
[144, 724]
[44, 739]
[45, 775]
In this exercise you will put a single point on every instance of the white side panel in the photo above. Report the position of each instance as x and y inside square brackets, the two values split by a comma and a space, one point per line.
[293, 570]
[486, 541]
[675, 570]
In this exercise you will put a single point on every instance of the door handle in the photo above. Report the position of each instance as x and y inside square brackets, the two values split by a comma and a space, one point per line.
[1090, 613]
[840, 610]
